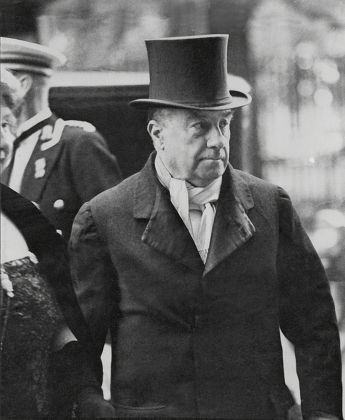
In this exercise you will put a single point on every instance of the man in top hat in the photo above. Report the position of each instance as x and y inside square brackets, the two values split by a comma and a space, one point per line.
[194, 266]
[57, 164]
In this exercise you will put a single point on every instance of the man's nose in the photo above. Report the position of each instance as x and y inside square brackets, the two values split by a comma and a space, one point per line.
[215, 138]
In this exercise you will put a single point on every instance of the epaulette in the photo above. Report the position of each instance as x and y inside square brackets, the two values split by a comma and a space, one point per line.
[47, 132]
[51, 136]
[81, 124]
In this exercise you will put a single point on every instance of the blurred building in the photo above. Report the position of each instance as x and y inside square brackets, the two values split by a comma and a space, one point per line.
[298, 55]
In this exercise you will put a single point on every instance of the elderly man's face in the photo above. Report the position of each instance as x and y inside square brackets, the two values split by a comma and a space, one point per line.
[7, 135]
[194, 145]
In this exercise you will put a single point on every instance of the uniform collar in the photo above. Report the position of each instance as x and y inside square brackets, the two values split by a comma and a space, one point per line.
[31, 122]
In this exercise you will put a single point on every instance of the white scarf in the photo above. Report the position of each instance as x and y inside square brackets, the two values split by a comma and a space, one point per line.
[195, 205]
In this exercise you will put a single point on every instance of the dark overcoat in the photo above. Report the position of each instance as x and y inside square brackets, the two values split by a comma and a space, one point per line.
[197, 340]
[69, 165]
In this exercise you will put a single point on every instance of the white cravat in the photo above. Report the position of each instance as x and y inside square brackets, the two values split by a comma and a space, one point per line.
[195, 205]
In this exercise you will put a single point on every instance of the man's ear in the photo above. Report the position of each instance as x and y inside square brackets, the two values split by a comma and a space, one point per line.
[155, 131]
[25, 81]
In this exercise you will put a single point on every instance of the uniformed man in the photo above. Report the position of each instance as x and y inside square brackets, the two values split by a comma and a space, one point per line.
[57, 164]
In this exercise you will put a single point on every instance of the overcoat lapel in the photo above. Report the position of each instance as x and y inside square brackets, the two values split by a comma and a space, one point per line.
[165, 231]
[232, 227]
[41, 164]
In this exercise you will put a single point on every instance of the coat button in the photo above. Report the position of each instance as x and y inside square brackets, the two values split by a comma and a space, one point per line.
[59, 204]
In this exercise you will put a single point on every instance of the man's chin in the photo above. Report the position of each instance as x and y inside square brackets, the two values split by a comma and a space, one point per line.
[206, 178]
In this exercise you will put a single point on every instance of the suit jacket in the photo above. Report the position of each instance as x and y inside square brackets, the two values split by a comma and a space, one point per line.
[70, 164]
[197, 340]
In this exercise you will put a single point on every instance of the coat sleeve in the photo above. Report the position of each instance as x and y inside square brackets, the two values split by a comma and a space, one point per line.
[94, 168]
[93, 276]
[307, 315]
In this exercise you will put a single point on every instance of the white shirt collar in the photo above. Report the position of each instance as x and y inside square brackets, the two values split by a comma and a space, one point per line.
[40, 116]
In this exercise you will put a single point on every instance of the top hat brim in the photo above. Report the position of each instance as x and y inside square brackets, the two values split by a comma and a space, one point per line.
[238, 100]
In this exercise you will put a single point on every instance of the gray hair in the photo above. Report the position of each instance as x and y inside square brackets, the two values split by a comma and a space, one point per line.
[158, 113]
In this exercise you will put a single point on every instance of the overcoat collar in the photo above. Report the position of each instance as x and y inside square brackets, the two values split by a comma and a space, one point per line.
[167, 233]
[232, 227]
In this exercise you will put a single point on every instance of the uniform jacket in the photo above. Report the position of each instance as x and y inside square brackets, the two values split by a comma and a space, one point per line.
[197, 340]
[70, 164]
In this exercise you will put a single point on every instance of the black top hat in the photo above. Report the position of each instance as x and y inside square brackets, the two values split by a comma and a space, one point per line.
[190, 72]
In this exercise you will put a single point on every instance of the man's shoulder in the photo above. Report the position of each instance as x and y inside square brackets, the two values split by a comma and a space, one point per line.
[255, 183]
[120, 196]
[68, 133]
[80, 125]
[264, 195]
[74, 130]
